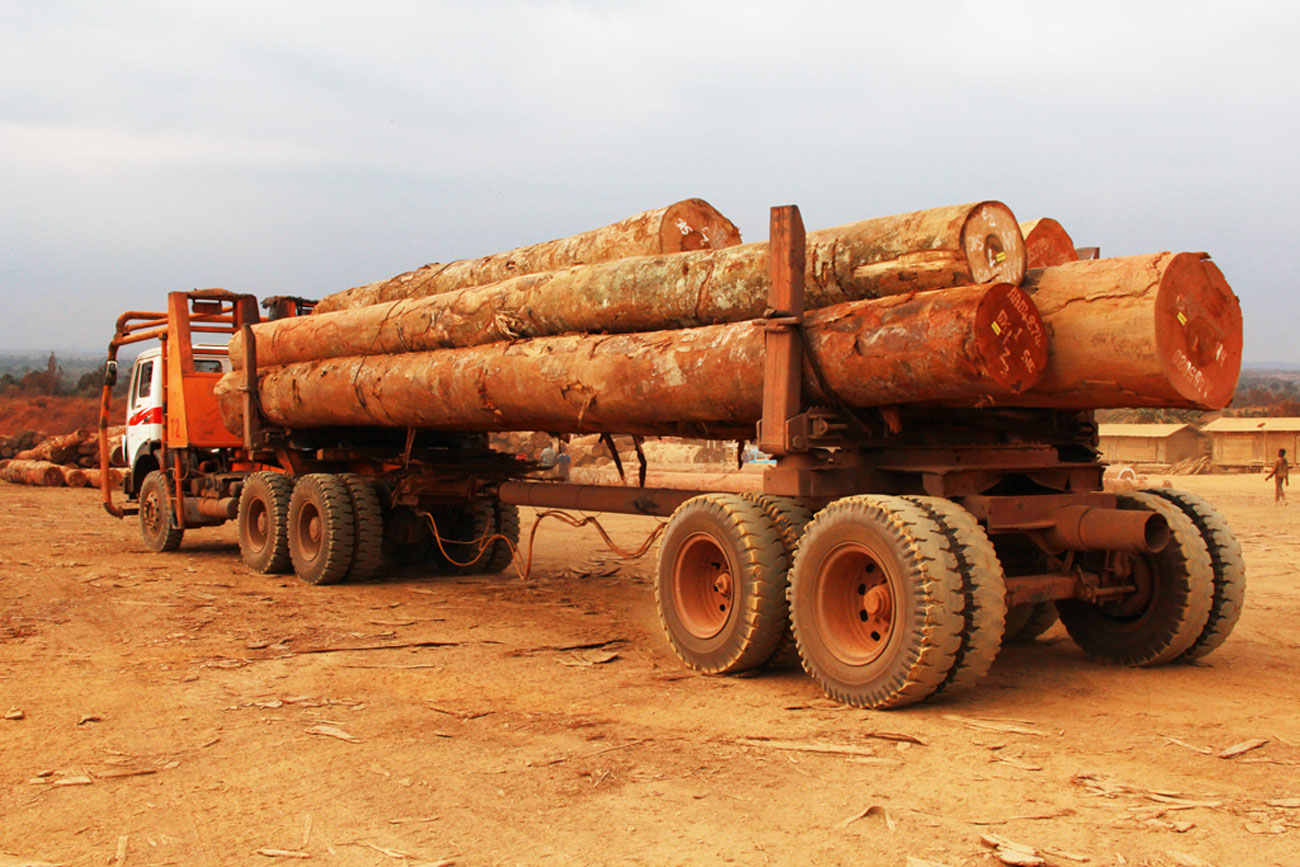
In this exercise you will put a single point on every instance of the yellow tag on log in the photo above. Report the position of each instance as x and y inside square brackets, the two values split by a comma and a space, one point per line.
[1000, 257]
[1182, 320]
[996, 330]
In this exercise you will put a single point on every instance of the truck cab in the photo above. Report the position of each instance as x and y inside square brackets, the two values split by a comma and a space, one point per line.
[145, 407]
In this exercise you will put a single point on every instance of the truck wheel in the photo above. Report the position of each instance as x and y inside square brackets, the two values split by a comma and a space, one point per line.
[984, 591]
[789, 516]
[1163, 618]
[264, 522]
[1029, 620]
[367, 528]
[322, 533]
[1226, 563]
[500, 555]
[157, 517]
[722, 574]
[876, 602]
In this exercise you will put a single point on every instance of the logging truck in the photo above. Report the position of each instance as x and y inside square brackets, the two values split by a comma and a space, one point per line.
[893, 549]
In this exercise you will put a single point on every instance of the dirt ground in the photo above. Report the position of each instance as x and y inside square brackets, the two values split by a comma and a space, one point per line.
[180, 709]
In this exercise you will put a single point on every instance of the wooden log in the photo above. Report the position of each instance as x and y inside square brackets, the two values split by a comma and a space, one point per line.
[59, 449]
[26, 472]
[115, 476]
[692, 224]
[1047, 243]
[861, 260]
[1162, 330]
[75, 477]
[968, 345]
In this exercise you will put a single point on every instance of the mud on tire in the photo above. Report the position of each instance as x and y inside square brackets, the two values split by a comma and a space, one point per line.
[1226, 562]
[368, 528]
[322, 532]
[158, 526]
[720, 585]
[876, 601]
[263, 521]
[1171, 608]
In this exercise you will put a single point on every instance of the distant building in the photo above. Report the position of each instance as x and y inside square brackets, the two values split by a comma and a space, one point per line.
[1252, 442]
[1148, 443]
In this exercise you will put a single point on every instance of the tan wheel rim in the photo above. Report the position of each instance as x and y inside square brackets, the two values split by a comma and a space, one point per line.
[259, 524]
[309, 531]
[703, 586]
[855, 605]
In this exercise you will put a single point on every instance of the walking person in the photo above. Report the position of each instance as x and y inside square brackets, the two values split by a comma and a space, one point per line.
[1281, 475]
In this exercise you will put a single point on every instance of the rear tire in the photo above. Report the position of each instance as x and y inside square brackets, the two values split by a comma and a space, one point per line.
[264, 522]
[984, 588]
[1227, 564]
[1027, 621]
[1169, 611]
[368, 528]
[789, 516]
[720, 585]
[157, 516]
[322, 534]
[876, 602]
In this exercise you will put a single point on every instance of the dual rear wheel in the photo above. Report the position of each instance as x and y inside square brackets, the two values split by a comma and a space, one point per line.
[891, 600]
[330, 528]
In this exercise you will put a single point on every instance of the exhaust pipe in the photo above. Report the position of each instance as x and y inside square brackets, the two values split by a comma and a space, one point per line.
[1090, 528]
[206, 510]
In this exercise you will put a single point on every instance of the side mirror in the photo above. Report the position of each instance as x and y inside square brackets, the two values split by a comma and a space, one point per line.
[110, 373]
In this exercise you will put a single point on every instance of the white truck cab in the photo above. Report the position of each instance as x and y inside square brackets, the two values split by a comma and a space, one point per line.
[144, 406]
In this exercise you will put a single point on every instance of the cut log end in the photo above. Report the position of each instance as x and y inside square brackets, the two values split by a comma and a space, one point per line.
[1199, 331]
[1010, 338]
[1047, 243]
[694, 224]
[993, 244]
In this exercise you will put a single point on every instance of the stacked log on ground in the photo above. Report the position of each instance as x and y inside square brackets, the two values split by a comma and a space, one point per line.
[11, 445]
[1161, 330]
[1047, 243]
[1197, 466]
[26, 472]
[76, 455]
[965, 346]
[939, 248]
[692, 224]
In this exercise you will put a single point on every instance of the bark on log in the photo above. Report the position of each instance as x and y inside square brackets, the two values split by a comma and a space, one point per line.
[968, 345]
[692, 224]
[1161, 330]
[75, 477]
[1047, 243]
[932, 249]
[41, 473]
[115, 477]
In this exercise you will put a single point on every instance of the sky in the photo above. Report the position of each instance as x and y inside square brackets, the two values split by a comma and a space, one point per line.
[302, 148]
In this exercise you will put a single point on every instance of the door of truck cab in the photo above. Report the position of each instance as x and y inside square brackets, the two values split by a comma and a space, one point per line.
[144, 407]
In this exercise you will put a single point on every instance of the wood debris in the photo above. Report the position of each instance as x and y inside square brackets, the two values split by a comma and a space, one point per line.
[80, 780]
[282, 853]
[1244, 747]
[1055, 814]
[1284, 802]
[1011, 852]
[808, 747]
[1265, 828]
[89, 718]
[333, 732]
[119, 857]
[15, 713]
[1203, 750]
[873, 810]
[996, 726]
[588, 658]
[1015, 763]
[901, 737]
[566, 648]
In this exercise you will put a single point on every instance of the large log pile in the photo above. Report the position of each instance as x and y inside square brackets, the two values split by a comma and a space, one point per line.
[919, 308]
[74, 458]
[959, 245]
[692, 224]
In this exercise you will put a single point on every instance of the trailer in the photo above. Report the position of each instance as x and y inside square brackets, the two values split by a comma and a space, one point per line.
[893, 550]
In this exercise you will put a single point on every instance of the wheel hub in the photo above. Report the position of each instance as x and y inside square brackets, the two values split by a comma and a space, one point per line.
[703, 586]
[855, 605]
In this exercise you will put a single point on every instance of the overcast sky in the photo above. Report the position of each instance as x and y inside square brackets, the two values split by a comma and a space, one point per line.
[301, 148]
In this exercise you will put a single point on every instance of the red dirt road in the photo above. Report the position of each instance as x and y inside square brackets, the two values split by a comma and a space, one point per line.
[174, 709]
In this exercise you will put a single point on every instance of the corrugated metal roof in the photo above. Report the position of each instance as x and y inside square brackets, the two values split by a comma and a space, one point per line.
[1154, 431]
[1252, 425]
